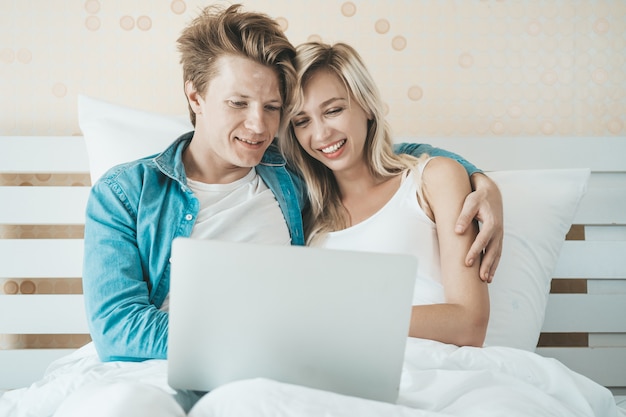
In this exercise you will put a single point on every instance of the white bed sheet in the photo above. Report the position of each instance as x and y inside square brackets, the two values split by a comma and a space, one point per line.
[438, 380]
[76, 370]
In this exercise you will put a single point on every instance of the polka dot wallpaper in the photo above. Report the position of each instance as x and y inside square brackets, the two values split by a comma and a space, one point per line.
[445, 67]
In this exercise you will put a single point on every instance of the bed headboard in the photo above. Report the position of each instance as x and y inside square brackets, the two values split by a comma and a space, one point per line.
[44, 184]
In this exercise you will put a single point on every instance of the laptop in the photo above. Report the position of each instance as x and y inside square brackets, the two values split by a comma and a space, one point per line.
[327, 319]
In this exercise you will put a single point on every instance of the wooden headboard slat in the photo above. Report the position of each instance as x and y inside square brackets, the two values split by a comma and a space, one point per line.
[41, 258]
[43, 314]
[70, 154]
[63, 205]
[592, 259]
[593, 313]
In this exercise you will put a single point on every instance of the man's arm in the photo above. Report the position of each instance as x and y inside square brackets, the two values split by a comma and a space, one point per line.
[483, 204]
[417, 149]
[124, 325]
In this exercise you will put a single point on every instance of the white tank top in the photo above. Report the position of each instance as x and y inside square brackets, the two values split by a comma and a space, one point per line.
[400, 226]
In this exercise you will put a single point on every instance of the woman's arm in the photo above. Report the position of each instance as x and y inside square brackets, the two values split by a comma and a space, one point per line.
[462, 319]
[484, 205]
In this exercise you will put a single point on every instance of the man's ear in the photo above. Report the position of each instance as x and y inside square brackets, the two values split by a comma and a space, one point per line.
[193, 97]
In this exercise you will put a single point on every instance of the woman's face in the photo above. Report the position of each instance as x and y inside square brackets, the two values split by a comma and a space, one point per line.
[331, 127]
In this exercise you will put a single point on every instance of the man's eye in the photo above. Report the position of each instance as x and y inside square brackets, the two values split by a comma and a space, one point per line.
[237, 104]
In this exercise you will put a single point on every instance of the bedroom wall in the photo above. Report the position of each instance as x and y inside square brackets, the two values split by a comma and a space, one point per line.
[464, 67]
[445, 68]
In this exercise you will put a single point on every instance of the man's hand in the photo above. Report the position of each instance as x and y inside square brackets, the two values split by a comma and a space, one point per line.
[484, 205]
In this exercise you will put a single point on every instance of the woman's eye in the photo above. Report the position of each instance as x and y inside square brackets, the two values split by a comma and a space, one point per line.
[334, 111]
[273, 108]
[237, 104]
[300, 122]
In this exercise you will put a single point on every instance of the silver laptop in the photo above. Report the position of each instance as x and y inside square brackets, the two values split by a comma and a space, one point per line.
[326, 319]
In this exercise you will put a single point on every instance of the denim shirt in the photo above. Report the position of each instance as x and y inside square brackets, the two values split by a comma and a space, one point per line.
[133, 214]
[417, 149]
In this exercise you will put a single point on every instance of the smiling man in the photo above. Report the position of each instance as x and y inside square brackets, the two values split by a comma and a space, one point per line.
[224, 180]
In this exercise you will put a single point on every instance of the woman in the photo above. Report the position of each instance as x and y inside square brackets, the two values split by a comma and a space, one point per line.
[365, 197]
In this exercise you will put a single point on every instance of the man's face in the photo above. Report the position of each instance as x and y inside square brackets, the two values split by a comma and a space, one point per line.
[236, 119]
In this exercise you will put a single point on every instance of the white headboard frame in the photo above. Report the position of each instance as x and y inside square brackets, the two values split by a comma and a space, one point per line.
[44, 184]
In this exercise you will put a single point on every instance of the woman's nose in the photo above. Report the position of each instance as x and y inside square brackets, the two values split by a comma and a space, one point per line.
[320, 131]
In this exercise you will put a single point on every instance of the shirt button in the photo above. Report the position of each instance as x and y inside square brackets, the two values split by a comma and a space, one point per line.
[188, 217]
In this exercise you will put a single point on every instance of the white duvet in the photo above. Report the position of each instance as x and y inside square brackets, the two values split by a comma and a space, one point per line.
[437, 380]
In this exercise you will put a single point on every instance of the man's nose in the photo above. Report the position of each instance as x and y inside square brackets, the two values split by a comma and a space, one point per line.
[255, 120]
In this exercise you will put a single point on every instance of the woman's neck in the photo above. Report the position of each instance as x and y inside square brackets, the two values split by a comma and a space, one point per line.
[363, 195]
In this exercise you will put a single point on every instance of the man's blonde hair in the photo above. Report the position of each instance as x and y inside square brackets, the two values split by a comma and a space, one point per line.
[217, 32]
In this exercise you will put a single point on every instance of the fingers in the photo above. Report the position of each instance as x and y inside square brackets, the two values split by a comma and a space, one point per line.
[490, 256]
[486, 249]
[476, 250]
[489, 263]
[468, 213]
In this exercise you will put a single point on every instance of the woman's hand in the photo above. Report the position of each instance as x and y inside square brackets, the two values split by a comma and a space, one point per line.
[485, 205]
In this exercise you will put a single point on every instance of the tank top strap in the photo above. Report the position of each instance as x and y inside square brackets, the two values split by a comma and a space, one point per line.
[417, 176]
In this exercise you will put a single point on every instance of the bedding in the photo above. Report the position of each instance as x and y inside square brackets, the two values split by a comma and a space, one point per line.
[115, 134]
[437, 380]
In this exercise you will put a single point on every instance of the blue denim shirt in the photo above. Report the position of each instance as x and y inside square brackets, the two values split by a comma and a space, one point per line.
[417, 149]
[133, 214]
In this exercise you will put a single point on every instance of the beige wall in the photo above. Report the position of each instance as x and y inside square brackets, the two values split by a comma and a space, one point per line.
[464, 67]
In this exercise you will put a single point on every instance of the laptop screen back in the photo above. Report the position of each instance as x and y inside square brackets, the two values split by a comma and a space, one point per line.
[327, 319]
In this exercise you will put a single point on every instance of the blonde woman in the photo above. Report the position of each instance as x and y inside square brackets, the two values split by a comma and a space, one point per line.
[364, 196]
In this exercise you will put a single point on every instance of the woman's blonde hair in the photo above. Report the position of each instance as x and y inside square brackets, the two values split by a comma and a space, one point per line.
[326, 212]
[217, 32]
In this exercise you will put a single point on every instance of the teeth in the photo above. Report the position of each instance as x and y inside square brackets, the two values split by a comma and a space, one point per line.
[249, 141]
[334, 148]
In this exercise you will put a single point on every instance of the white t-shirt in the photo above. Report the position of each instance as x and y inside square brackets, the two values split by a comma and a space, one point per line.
[241, 211]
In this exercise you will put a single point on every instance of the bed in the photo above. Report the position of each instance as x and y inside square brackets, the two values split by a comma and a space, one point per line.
[560, 341]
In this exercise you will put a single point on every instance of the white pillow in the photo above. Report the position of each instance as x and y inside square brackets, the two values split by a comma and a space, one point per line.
[115, 134]
[539, 209]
